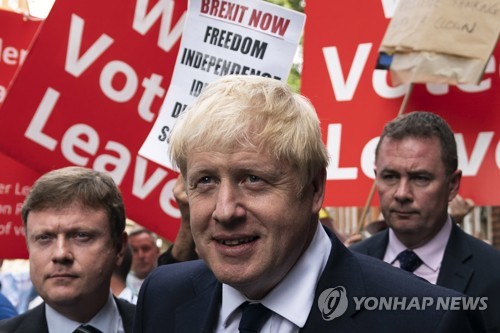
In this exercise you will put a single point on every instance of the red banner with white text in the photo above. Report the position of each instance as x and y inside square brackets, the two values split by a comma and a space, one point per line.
[354, 101]
[15, 183]
[16, 33]
[89, 92]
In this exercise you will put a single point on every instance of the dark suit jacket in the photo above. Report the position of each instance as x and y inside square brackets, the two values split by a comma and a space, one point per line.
[33, 321]
[186, 298]
[469, 266]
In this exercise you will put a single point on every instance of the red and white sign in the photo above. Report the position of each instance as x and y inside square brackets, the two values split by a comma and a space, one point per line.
[16, 34]
[88, 94]
[15, 183]
[354, 101]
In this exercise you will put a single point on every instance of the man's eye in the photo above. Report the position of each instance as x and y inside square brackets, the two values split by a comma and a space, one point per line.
[253, 179]
[81, 235]
[42, 237]
[421, 180]
[389, 178]
[205, 180]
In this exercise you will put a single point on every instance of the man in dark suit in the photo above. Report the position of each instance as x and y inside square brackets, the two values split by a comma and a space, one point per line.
[75, 231]
[417, 176]
[252, 157]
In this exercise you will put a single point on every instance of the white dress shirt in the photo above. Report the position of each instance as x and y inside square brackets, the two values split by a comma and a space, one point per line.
[134, 283]
[291, 300]
[108, 319]
[430, 253]
[128, 295]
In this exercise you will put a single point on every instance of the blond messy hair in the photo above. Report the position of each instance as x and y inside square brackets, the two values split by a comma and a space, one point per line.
[254, 112]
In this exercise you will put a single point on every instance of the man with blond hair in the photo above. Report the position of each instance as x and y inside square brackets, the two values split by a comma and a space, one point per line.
[251, 154]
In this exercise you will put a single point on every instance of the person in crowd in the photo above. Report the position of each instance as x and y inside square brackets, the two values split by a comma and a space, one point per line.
[74, 220]
[251, 155]
[17, 287]
[183, 248]
[7, 310]
[145, 254]
[119, 278]
[417, 175]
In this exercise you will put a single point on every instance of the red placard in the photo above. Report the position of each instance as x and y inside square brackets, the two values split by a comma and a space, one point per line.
[16, 34]
[15, 183]
[354, 101]
[88, 94]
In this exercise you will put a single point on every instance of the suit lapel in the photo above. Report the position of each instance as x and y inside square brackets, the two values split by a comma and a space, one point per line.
[205, 305]
[127, 312]
[378, 244]
[454, 273]
[342, 269]
[34, 322]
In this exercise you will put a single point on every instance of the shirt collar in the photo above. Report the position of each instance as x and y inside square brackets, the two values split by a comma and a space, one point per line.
[108, 319]
[290, 305]
[431, 253]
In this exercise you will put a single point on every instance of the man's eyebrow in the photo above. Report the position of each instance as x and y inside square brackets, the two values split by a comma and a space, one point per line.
[388, 170]
[419, 172]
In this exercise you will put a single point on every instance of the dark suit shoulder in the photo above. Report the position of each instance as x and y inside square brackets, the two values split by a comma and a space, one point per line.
[377, 297]
[480, 247]
[373, 246]
[467, 250]
[366, 243]
[382, 281]
[124, 306]
[181, 276]
[31, 321]
[169, 288]
[127, 312]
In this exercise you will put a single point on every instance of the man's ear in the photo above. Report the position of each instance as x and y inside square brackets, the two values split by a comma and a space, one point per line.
[454, 184]
[319, 183]
[122, 246]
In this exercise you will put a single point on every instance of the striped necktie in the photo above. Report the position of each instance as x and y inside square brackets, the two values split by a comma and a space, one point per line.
[409, 260]
[253, 318]
[86, 329]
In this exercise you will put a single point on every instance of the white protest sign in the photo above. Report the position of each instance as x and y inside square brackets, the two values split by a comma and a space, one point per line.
[220, 38]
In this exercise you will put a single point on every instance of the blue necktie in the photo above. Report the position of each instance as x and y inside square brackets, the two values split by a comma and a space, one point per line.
[253, 318]
[86, 329]
[409, 260]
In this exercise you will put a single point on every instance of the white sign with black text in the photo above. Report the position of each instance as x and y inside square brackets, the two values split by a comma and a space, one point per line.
[220, 38]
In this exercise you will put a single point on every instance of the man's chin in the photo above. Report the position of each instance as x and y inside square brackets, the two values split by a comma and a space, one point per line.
[405, 227]
[58, 300]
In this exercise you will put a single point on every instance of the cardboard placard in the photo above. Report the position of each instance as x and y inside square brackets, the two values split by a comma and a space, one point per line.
[441, 41]
[354, 101]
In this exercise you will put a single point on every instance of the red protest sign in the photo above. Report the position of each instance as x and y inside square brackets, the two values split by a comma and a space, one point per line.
[15, 183]
[16, 34]
[354, 101]
[96, 77]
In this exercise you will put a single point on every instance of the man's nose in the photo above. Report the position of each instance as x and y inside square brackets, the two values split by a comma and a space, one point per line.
[403, 190]
[228, 205]
[62, 251]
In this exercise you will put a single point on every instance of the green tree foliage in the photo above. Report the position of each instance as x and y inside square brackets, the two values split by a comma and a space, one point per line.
[298, 5]
[292, 4]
